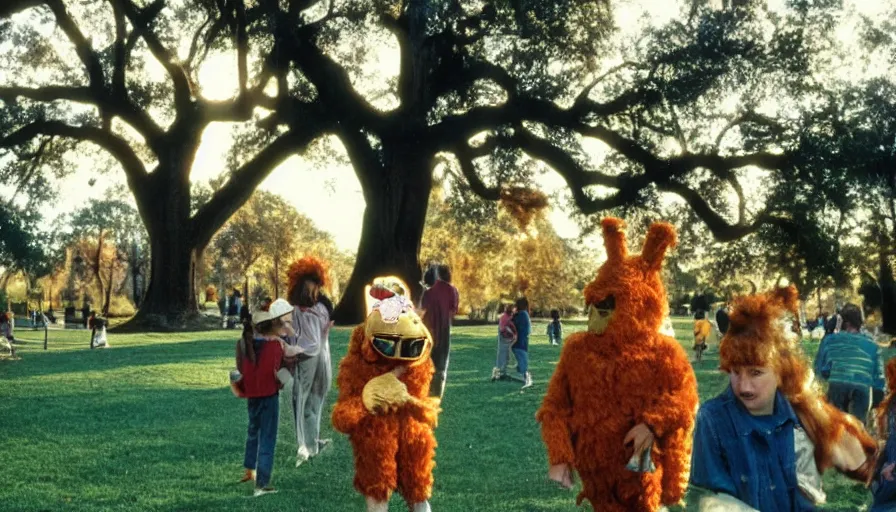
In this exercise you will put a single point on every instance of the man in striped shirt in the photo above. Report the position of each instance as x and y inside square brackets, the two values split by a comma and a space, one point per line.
[850, 362]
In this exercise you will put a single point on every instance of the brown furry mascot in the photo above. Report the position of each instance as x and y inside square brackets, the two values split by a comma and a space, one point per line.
[756, 335]
[382, 406]
[622, 393]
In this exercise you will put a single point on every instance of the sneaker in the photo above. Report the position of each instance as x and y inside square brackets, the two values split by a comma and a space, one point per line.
[528, 381]
[249, 475]
[323, 444]
[496, 374]
[260, 491]
[302, 455]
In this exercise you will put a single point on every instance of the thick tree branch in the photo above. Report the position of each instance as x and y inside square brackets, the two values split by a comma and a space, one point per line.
[82, 45]
[465, 156]
[48, 93]
[117, 147]
[10, 7]
[119, 51]
[245, 180]
[141, 20]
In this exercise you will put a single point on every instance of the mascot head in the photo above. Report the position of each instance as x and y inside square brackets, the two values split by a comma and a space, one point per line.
[627, 295]
[393, 332]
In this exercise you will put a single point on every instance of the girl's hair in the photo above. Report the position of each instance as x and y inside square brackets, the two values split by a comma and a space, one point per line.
[522, 304]
[508, 308]
[555, 314]
[756, 338]
[302, 273]
[699, 315]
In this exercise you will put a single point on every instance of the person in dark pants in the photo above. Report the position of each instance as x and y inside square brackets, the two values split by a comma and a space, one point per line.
[259, 356]
[439, 304]
[850, 362]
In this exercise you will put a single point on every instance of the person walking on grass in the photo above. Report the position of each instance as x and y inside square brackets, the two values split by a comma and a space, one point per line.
[506, 338]
[260, 353]
[439, 304]
[314, 372]
[555, 328]
[850, 362]
[702, 329]
[523, 325]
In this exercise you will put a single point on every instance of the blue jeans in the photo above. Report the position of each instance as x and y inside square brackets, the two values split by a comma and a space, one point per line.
[522, 359]
[850, 398]
[262, 437]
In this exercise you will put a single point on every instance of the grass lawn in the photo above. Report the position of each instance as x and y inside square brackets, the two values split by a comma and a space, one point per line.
[150, 424]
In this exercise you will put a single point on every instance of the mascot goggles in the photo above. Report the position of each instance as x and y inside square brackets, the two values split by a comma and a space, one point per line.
[399, 348]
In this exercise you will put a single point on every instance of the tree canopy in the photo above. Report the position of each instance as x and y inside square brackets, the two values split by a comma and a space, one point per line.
[693, 105]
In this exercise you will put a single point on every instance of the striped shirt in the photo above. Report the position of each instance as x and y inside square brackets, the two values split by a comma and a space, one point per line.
[849, 358]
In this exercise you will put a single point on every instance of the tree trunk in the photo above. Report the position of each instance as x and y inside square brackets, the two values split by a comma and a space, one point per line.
[392, 230]
[108, 292]
[170, 298]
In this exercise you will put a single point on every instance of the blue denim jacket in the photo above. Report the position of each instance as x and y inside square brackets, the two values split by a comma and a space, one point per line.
[752, 459]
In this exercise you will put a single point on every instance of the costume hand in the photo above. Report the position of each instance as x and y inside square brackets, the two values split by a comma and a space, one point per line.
[640, 437]
[887, 471]
[562, 474]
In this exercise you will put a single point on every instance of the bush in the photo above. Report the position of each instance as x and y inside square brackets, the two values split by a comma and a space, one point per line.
[121, 306]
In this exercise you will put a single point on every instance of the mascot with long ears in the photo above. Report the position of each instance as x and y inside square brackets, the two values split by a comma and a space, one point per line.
[383, 407]
[620, 406]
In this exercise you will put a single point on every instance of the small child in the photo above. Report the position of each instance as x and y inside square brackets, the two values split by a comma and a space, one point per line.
[555, 328]
[259, 356]
[506, 338]
[702, 328]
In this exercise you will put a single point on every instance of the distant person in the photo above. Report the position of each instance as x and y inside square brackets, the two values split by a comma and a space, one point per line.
[439, 304]
[722, 319]
[506, 338]
[702, 330]
[6, 334]
[259, 357]
[523, 325]
[555, 328]
[850, 362]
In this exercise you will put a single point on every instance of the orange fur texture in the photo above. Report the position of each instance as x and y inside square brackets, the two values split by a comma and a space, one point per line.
[393, 451]
[756, 338]
[607, 383]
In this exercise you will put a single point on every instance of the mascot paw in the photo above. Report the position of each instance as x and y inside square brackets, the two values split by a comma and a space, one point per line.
[384, 393]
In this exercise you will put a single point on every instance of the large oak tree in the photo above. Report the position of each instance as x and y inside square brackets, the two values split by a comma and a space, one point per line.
[681, 107]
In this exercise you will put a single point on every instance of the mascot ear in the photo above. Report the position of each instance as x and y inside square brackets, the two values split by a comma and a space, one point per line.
[789, 297]
[660, 236]
[614, 239]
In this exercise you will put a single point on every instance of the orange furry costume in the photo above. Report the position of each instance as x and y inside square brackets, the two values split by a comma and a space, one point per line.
[382, 406]
[619, 374]
[755, 337]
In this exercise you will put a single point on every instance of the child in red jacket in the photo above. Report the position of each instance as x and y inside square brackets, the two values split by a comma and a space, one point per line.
[260, 354]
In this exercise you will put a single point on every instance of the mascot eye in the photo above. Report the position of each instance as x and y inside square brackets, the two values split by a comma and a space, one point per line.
[608, 303]
[413, 348]
[384, 346]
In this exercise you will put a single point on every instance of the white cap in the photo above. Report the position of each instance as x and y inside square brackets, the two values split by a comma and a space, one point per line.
[277, 309]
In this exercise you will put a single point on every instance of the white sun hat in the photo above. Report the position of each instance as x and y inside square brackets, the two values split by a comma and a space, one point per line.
[277, 309]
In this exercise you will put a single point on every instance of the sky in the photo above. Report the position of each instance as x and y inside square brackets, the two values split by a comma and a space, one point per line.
[331, 196]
